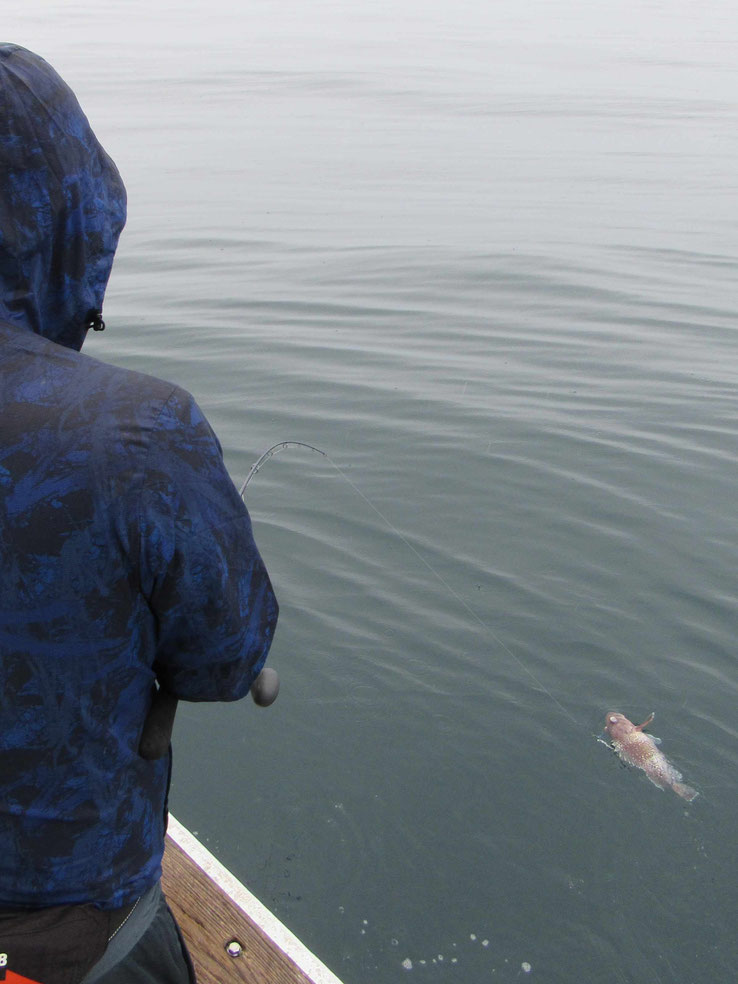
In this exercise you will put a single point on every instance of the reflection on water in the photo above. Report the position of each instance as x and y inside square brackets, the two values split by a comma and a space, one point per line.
[484, 256]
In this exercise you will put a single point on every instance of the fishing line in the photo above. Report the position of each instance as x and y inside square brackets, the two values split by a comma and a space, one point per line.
[276, 448]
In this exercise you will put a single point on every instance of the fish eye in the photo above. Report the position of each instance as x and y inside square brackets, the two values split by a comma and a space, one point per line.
[613, 719]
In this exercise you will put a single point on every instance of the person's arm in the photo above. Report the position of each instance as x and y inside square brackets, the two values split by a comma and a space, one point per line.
[201, 573]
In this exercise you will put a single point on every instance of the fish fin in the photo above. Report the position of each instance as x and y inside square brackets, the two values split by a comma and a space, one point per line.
[659, 781]
[654, 738]
[649, 719]
[685, 791]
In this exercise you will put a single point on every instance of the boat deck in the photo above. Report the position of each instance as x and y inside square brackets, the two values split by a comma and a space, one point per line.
[231, 936]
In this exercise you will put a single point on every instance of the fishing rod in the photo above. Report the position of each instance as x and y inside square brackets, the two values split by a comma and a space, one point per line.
[270, 452]
[159, 723]
[157, 730]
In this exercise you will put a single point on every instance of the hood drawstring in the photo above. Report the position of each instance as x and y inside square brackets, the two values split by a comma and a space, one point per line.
[94, 320]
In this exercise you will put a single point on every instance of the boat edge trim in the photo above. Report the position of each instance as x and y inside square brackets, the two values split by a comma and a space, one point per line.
[277, 932]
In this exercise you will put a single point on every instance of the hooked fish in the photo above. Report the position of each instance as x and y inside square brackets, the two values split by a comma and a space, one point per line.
[641, 750]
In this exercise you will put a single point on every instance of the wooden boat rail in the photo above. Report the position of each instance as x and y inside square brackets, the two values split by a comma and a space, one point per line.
[232, 937]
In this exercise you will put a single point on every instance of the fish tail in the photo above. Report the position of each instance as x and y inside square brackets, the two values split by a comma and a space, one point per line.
[685, 791]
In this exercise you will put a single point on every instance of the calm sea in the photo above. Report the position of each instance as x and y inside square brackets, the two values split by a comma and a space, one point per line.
[484, 255]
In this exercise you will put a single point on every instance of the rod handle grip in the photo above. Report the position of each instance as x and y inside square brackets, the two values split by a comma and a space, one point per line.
[157, 729]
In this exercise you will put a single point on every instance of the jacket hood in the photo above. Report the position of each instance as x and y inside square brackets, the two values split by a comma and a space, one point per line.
[62, 203]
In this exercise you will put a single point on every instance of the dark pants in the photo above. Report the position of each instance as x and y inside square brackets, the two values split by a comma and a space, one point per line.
[159, 957]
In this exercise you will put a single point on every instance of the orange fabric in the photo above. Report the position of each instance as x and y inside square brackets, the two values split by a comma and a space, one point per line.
[13, 978]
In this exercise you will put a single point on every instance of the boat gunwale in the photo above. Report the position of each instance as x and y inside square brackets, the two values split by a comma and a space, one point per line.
[282, 938]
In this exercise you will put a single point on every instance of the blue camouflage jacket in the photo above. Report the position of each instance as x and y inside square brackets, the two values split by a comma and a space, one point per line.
[126, 553]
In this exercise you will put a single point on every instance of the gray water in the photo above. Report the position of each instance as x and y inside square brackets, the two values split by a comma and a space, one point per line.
[484, 255]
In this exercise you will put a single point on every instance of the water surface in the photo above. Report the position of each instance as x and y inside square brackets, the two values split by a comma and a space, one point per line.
[484, 256]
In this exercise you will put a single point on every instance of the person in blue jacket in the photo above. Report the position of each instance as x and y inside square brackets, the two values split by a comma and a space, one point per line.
[126, 558]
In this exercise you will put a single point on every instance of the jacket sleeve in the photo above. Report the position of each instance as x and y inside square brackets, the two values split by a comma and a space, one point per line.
[213, 607]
